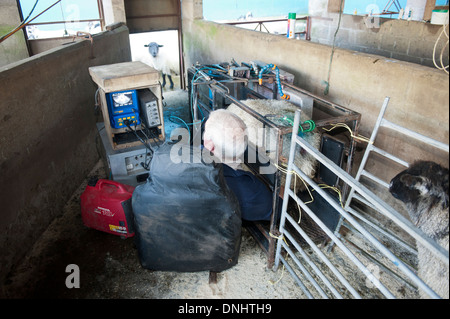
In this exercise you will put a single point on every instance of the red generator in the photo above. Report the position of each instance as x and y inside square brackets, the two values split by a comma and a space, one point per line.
[106, 206]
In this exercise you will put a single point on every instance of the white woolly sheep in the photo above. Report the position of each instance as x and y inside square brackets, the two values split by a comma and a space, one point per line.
[423, 187]
[161, 55]
[306, 162]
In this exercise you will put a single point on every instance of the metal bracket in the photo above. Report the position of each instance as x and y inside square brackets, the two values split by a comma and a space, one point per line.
[86, 35]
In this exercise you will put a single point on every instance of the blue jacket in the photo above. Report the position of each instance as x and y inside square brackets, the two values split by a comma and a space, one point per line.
[254, 197]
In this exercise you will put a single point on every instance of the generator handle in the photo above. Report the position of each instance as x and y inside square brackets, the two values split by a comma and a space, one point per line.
[121, 188]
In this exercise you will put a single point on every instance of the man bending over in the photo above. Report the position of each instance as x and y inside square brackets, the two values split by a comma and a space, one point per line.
[225, 136]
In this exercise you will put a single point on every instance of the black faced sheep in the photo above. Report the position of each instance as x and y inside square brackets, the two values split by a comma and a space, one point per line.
[423, 188]
[166, 62]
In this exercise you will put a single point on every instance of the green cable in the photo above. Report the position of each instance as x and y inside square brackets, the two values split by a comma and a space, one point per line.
[311, 123]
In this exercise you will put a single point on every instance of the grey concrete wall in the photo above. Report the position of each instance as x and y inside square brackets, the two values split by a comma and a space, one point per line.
[410, 41]
[419, 94]
[47, 136]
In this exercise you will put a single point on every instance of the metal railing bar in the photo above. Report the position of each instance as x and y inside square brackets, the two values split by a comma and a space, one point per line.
[378, 263]
[372, 224]
[334, 238]
[296, 278]
[285, 216]
[415, 135]
[374, 178]
[369, 147]
[362, 200]
[389, 155]
[305, 271]
[324, 259]
[312, 264]
[351, 228]
[64, 21]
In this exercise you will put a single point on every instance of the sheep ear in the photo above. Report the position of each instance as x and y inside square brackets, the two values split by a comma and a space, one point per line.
[160, 45]
[146, 45]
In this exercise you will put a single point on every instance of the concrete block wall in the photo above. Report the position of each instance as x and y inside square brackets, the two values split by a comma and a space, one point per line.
[419, 95]
[409, 41]
[47, 136]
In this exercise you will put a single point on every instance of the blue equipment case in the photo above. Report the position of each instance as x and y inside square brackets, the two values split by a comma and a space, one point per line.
[122, 106]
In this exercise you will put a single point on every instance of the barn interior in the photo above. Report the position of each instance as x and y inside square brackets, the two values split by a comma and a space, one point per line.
[348, 67]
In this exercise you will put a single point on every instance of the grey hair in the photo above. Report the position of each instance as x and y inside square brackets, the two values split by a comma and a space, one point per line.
[228, 133]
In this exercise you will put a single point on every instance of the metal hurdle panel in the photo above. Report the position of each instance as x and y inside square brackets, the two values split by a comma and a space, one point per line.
[343, 271]
[362, 171]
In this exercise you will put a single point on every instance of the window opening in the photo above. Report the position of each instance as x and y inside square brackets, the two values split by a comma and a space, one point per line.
[61, 18]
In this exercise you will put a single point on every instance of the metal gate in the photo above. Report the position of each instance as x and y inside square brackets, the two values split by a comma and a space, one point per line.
[376, 266]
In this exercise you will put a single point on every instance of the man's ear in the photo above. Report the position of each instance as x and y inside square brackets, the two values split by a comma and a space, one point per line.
[209, 145]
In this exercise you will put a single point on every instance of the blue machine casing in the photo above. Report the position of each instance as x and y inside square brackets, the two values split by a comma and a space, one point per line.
[123, 105]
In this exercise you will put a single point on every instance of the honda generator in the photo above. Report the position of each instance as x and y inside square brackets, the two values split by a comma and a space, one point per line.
[106, 206]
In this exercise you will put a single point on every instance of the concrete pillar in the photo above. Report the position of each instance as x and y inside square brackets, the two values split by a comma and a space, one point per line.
[13, 48]
[319, 8]
[192, 9]
[415, 9]
[114, 11]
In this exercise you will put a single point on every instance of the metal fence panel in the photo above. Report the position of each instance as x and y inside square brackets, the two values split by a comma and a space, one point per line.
[346, 271]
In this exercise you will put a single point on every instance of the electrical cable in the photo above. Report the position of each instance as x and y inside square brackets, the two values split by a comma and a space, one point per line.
[127, 123]
[23, 24]
[155, 138]
[20, 25]
[352, 134]
[185, 124]
[444, 27]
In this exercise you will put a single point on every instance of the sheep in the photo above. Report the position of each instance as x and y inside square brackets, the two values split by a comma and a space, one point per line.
[423, 188]
[306, 162]
[161, 54]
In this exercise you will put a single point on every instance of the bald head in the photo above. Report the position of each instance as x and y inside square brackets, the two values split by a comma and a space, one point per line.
[225, 136]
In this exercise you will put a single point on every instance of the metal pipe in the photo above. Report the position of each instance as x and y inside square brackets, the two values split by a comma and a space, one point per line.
[415, 135]
[25, 24]
[333, 237]
[310, 262]
[294, 275]
[285, 216]
[286, 189]
[305, 271]
[380, 205]
[382, 231]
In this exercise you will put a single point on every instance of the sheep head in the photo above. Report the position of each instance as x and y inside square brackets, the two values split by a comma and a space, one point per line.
[153, 48]
[421, 187]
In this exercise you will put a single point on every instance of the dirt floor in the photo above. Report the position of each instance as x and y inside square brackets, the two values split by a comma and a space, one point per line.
[110, 268]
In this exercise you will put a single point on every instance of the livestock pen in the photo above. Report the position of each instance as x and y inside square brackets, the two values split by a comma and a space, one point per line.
[372, 260]
[331, 249]
[211, 88]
